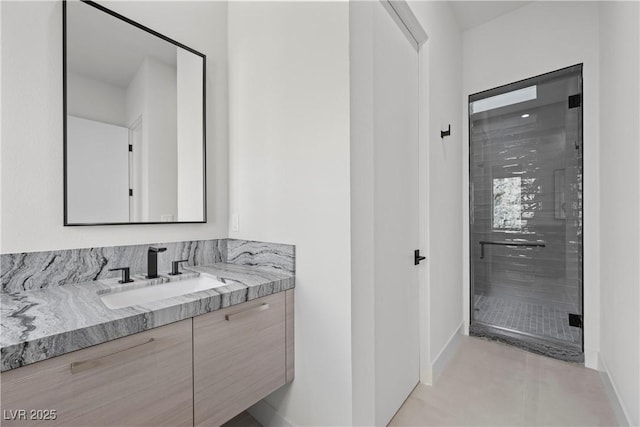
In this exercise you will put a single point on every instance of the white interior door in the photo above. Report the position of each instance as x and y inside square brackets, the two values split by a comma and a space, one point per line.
[396, 219]
[97, 172]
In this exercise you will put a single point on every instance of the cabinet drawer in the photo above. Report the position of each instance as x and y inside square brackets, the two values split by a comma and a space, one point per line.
[239, 358]
[144, 379]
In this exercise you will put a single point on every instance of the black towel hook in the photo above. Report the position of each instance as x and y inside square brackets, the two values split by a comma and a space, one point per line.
[444, 133]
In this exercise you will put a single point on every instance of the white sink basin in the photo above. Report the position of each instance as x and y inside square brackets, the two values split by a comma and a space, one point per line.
[158, 292]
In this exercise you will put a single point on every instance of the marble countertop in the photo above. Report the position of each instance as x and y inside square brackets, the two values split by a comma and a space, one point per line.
[40, 324]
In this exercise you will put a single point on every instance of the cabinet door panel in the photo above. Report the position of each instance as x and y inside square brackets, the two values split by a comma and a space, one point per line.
[141, 380]
[239, 358]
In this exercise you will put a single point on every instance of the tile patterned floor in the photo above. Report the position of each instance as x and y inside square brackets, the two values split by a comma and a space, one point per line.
[526, 317]
[492, 384]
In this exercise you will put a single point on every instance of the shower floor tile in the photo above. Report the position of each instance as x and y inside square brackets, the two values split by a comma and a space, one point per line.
[526, 317]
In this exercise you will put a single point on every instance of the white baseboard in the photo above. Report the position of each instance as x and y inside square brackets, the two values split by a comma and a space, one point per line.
[267, 415]
[612, 392]
[446, 354]
[591, 359]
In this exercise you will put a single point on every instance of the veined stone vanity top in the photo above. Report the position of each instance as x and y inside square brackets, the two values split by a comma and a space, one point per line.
[43, 323]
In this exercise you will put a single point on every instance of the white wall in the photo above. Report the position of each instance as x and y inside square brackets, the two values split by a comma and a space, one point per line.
[362, 169]
[152, 100]
[441, 71]
[82, 93]
[161, 123]
[190, 183]
[31, 161]
[620, 200]
[532, 40]
[289, 143]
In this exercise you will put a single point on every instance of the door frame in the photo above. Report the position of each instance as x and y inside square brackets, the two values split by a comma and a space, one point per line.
[424, 283]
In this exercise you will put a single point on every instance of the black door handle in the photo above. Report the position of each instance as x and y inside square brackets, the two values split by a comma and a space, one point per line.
[417, 258]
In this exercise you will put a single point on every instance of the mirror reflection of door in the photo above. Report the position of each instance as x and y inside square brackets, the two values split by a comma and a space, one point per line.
[97, 171]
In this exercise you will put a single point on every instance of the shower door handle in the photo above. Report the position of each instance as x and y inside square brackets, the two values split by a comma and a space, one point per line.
[509, 243]
[417, 258]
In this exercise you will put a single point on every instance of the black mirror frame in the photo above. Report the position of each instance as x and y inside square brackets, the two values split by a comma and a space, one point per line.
[64, 114]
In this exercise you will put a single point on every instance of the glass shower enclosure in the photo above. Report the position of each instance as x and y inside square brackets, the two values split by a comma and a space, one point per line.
[525, 170]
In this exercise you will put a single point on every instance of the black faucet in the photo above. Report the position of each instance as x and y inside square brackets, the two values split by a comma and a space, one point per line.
[174, 267]
[152, 261]
[126, 278]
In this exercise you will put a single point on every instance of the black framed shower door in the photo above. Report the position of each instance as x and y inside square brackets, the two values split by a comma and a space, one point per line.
[526, 213]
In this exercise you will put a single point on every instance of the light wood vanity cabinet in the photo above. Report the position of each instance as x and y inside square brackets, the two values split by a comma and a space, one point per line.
[201, 371]
[142, 379]
[239, 357]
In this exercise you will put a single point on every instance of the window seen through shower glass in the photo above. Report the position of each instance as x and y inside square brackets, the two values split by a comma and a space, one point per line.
[507, 203]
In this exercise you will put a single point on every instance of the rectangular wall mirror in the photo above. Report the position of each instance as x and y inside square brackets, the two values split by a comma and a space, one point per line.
[134, 114]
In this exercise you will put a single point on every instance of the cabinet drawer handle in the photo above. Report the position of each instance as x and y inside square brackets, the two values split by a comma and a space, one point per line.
[84, 365]
[243, 313]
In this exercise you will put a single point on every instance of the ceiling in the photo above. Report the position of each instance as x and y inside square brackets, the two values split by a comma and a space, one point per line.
[473, 13]
[107, 49]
